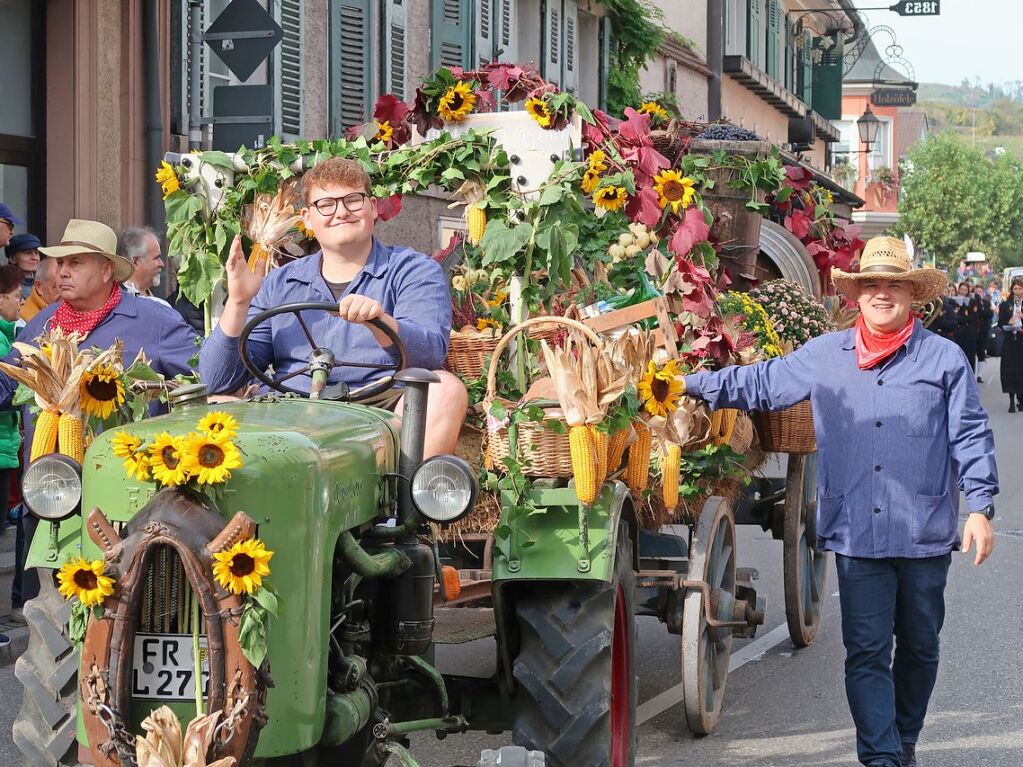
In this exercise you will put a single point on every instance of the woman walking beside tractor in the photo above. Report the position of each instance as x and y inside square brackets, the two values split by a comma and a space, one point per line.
[1010, 319]
[900, 429]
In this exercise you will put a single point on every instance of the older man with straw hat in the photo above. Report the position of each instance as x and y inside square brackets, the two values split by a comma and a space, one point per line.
[900, 430]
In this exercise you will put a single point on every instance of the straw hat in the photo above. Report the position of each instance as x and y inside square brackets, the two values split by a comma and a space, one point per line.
[888, 258]
[82, 237]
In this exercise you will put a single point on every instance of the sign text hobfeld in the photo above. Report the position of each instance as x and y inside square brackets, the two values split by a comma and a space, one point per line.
[917, 8]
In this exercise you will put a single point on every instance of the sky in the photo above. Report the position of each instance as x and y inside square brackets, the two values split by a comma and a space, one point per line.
[970, 38]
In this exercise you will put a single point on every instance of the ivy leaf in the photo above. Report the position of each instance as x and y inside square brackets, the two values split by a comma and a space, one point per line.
[218, 159]
[266, 599]
[500, 244]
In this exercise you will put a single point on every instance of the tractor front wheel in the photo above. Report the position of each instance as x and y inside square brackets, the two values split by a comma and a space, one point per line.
[576, 669]
[44, 731]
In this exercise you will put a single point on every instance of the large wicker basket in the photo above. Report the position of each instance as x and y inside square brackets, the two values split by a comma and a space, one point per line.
[468, 352]
[545, 453]
[787, 431]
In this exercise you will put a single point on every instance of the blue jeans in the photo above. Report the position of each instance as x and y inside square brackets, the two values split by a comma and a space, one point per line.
[882, 599]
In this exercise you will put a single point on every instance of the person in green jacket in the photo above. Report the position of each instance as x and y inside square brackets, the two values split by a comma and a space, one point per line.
[10, 433]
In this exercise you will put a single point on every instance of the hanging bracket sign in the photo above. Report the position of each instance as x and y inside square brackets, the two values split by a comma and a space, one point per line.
[917, 8]
[893, 97]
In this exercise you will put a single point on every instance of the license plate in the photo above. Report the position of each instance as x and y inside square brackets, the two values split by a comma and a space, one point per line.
[163, 667]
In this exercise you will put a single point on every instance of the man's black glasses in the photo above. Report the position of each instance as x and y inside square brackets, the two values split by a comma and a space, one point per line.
[353, 203]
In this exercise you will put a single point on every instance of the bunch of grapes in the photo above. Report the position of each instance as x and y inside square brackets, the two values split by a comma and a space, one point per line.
[727, 132]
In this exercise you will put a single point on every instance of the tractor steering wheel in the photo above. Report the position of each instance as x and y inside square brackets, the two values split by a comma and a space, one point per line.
[321, 359]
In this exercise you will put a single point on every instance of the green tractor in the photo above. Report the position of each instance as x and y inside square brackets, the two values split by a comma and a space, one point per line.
[343, 497]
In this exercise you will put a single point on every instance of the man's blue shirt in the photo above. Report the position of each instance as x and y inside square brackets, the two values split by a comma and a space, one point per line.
[895, 443]
[410, 286]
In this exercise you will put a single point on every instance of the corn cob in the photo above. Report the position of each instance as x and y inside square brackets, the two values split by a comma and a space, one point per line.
[257, 258]
[616, 448]
[638, 471]
[728, 418]
[671, 458]
[44, 440]
[70, 440]
[715, 425]
[475, 223]
[600, 440]
[584, 463]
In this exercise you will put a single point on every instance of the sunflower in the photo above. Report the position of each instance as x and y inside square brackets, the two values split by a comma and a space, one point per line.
[85, 580]
[674, 189]
[655, 110]
[167, 179]
[242, 567]
[167, 459]
[101, 390]
[590, 180]
[210, 457]
[659, 390]
[218, 422]
[540, 111]
[136, 460]
[456, 102]
[610, 197]
[384, 132]
[305, 231]
[598, 160]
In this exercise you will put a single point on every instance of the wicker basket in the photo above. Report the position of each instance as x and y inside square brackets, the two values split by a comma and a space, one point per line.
[741, 438]
[468, 352]
[550, 330]
[787, 431]
[545, 453]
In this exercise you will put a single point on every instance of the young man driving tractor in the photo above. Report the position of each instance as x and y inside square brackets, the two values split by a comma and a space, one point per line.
[371, 283]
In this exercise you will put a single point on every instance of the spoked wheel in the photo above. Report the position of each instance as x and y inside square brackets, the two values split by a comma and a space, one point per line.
[805, 568]
[706, 650]
[576, 669]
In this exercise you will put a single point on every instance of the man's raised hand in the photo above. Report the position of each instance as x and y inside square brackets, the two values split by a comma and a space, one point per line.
[242, 283]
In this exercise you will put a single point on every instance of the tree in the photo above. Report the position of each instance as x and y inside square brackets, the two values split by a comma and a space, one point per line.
[955, 199]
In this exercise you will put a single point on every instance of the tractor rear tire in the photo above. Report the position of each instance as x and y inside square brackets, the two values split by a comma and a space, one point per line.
[576, 671]
[44, 731]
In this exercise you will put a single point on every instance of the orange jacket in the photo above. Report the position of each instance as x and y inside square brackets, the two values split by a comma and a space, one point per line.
[33, 305]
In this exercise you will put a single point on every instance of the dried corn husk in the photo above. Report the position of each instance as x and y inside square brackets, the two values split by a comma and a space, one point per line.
[164, 745]
[270, 223]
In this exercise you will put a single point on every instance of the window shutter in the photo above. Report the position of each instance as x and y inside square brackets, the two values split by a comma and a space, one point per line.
[395, 24]
[351, 51]
[552, 36]
[606, 42]
[774, 40]
[485, 30]
[508, 38]
[570, 52]
[288, 70]
[789, 58]
[754, 41]
[806, 91]
[735, 27]
[450, 34]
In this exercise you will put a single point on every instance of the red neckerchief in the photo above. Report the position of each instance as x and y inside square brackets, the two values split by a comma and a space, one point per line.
[71, 321]
[873, 348]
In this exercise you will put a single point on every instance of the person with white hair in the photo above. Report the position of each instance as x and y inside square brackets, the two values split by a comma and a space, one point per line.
[141, 246]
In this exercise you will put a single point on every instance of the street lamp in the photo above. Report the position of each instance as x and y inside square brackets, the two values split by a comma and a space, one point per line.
[868, 126]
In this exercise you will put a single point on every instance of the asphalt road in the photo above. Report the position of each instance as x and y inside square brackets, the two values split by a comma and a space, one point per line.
[786, 708]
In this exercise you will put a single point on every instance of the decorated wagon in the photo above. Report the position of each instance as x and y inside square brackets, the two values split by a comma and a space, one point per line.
[593, 274]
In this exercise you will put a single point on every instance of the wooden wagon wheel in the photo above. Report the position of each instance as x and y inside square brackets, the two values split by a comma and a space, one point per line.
[706, 650]
[805, 568]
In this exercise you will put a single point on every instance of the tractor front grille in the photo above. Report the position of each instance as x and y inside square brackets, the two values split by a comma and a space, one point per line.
[168, 603]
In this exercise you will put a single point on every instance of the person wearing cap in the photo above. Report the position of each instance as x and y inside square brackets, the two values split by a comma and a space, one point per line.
[7, 223]
[93, 304]
[900, 429]
[23, 252]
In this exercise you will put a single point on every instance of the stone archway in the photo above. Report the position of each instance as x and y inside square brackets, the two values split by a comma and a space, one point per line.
[783, 255]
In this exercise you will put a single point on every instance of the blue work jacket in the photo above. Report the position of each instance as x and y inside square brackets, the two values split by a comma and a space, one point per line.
[895, 443]
[410, 286]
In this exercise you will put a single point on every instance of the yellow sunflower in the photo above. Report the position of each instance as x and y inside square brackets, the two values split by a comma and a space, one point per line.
[590, 180]
[167, 460]
[242, 567]
[306, 232]
[659, 390]
[653, 109]
[674, 189]
[610, 197]
[167, 179]
[598, 160]
[101, 390]
[384, 132]
[210, 457]
[136, 460]
[540, 111]
[85, 580]
[219, 422]
[456, 102]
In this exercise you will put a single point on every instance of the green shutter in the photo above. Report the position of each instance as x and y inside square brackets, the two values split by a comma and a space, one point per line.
[393, 32]
[774, 40]
[788, 59]
[450, 33]
[507, 41]
[827, 82]
[288, 75]
[806, 89]
[351, 48]
[485, 32]
[755, 33]
[570, 50]
[606, 41]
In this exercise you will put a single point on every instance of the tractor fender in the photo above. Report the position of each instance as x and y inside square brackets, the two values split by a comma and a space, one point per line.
[195, 532]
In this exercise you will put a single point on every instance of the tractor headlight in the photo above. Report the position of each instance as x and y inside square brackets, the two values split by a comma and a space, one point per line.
[52, 487]
[444, 489]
